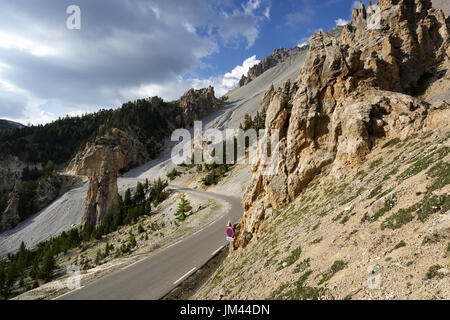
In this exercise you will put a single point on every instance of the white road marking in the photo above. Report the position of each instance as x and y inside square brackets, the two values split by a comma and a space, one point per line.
[214, 253]
[185, 276]
[173, 244]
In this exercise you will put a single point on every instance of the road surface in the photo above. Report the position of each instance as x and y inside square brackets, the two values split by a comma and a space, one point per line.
[155, 276]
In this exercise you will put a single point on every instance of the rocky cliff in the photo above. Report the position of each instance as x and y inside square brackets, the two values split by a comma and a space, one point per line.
[197, 104]
[123, 149]
[350, 92]
[102, 199]
[30, 197]
[133, 145]
[101, 161]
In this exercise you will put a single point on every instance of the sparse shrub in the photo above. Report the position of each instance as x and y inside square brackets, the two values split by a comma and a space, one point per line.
[173, 174]
[430, 239]
[391, 143]
[335, 268]
[399, 245]
[375, 163]
[295, 254]
[433, 272]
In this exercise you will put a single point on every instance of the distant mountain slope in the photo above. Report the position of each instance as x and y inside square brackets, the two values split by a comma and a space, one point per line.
[6, 124]
[442, 4]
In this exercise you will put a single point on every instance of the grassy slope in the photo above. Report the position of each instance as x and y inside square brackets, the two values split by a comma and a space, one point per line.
[324, 246]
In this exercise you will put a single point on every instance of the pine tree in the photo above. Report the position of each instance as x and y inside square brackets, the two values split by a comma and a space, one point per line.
[181, 211]
[139, 196]
[127, 200]
[47, 266]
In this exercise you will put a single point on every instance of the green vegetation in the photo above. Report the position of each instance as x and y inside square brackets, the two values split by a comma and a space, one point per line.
[173, 174]
[157, 193]
[215, 173]
[430, 239]
[58, 140]
[3, 204]
[399, 245]
[353, 197]
[300, 291]
[388, 205]
[440, 174]
[433, 272]
[182, 208]
[27, 194]
[316, 241]
[423, 209]
[423, 163]
[295, 254]
[302, 266]
[375, 163]
[257, 123]
[391, 173]
[391, 143]
[360, 174]
[335, 268]
[30, 267]
[375, 191]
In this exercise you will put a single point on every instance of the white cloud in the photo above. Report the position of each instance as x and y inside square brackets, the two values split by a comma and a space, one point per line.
[125, 49]
[231, 79]
[303, 42]
[174, 89]
[341, 22]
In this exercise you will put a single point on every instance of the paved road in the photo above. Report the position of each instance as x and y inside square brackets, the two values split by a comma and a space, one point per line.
[155, 276]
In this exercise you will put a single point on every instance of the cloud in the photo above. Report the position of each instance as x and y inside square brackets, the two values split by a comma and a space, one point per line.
[172, 90]
[231, 79]
[341, 22]
[122, 47]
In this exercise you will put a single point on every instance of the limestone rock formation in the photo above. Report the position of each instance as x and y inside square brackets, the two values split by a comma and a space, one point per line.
[102, 199]
[10, 217]
[349, 93]
[197, 104]
[101, 163]
[123, 148]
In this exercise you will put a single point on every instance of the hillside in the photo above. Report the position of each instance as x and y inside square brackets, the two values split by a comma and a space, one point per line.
[359, 206]
[358, 209]
[6, 124]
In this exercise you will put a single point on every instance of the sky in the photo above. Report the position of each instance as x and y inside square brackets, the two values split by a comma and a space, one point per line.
[125, 50]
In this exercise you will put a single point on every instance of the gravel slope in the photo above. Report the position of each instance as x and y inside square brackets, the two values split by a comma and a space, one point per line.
[442, 4]
[67, 211]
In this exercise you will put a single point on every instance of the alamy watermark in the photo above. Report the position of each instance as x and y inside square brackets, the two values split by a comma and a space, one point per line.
[232, 146]
[73, 22]
[74, 280]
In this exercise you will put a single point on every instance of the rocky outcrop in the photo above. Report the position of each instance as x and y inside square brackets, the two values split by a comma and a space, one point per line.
[22, 203]
[11, 168]
[349, 92]
[131, 147]
[123, 148]
[101, 162]
[102, 199]
[197, 104]
[10, 217]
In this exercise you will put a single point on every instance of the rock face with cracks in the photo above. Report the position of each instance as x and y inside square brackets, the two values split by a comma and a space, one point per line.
[349, 93]
[102, 199]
